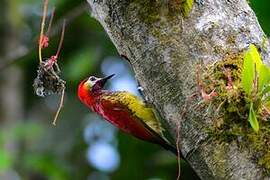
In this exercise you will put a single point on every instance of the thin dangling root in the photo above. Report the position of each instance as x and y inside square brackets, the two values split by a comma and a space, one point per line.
[61, 39]
[45, 9]
[178, 151]
[48, 79]
[50, 22]
[59, 107]
[178, 135]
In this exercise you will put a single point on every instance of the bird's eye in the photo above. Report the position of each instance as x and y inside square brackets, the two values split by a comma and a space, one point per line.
[92, 78]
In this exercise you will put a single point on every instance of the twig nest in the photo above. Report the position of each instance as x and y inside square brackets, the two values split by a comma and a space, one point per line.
[48, 79]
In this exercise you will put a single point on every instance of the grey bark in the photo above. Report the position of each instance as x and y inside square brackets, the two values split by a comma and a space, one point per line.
[164, 48]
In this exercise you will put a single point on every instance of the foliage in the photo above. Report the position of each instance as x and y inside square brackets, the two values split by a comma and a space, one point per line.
[5, 160]
[46, 152]
[186, 7]
[242, 84]
[248, 72]
[253, 119]
[255, 79]
[261, 9]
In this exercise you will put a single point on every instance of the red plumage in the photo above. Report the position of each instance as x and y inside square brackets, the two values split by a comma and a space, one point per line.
[123, 110]
[117, 114]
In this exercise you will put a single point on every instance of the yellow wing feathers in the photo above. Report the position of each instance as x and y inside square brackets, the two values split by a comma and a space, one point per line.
[138, 108]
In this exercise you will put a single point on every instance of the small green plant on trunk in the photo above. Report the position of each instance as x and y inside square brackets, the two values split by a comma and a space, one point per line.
[255, 80]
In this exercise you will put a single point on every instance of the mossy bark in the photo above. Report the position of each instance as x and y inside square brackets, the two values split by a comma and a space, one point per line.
[165, 48]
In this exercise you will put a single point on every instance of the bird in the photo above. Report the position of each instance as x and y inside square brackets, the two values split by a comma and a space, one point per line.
[124, 110]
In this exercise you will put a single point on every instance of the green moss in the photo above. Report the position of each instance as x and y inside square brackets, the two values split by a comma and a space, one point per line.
[215, 77]
[148, 10]
[218, 156]
[231, 108]
[264, 160]
[152, 11]
[246, 138]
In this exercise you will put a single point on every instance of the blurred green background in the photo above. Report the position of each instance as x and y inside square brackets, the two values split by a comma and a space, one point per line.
[81, 146]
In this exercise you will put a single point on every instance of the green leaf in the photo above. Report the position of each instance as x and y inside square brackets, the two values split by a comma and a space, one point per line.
[254, 55]
[264, 77]
[266, 89]
[186, 7]
[253, 119]
[248, 73]
[252, 63]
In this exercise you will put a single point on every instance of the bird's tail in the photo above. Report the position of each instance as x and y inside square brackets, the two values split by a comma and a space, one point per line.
[161, 140]
[169, 147]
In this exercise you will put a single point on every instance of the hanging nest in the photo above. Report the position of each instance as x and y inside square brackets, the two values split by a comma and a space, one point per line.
[48, 79]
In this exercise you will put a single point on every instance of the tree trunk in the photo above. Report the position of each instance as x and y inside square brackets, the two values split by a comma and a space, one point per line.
[164, 48]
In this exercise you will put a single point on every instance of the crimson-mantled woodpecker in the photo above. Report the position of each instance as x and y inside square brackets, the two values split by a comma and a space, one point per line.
[124, 110]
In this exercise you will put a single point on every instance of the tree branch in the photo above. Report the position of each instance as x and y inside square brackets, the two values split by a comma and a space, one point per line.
[164, 49]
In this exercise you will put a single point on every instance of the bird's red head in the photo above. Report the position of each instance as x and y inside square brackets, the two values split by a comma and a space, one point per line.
[91, 87]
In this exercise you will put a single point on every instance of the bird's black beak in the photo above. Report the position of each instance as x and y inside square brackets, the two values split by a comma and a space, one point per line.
[101, 83]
